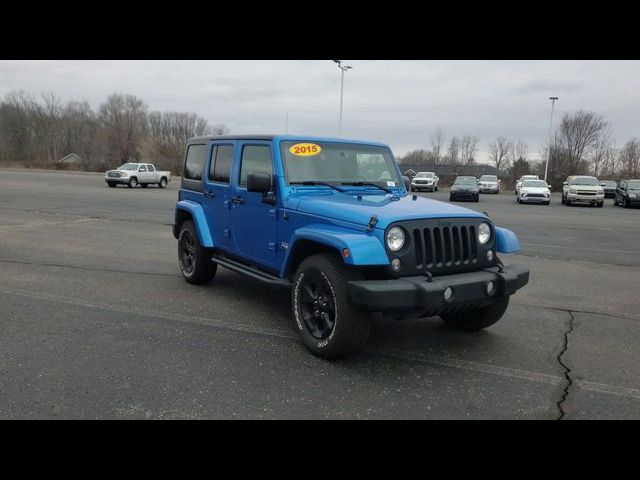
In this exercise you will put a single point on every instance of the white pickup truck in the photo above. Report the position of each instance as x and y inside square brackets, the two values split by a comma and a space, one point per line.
[134, 174]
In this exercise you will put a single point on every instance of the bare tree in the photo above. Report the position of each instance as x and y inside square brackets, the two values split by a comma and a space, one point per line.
[500, 149]
[124, 118]
[629, 158]
[601, 149]
[438, 142]
[453, 151]
[577, 135]
[468, 148]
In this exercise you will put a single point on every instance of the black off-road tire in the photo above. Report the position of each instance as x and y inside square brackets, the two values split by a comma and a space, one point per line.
[163, 183]
[199, 269]
[133, 182]
[478, 318]
[350, 328]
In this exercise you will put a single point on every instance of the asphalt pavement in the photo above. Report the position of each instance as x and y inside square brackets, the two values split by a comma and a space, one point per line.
[96, 322]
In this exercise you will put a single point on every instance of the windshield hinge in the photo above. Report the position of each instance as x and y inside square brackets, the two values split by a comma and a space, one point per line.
[373, 221]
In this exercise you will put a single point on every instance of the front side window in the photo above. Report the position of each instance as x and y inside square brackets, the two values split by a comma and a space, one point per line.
[194, 164]
[142, 169]
[338, 163]
[255, 159]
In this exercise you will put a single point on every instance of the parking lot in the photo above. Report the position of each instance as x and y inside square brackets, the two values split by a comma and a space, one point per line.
[96, 322]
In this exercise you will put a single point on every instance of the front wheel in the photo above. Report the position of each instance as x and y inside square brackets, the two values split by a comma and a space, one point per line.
[133, 183]
[328, 323]
[477, 318]
[111, 184]
[194, 259]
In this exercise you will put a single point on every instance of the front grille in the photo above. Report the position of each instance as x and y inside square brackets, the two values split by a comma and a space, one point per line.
[536, 195]
[114, 174]
[443, 246]
[586, 192]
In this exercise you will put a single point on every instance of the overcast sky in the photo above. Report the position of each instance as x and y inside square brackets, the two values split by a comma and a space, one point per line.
[397, 102]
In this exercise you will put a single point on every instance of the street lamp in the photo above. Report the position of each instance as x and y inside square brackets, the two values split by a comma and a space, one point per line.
[344, 68]
[546, 167]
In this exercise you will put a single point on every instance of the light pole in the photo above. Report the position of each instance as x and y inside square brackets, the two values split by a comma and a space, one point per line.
[344, 68]
[546, 166]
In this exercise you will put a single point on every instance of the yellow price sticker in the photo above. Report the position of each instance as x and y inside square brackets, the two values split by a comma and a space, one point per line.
[305, 149]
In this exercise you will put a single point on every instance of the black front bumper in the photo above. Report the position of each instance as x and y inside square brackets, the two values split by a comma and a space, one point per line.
[407, 294]
[464, 196]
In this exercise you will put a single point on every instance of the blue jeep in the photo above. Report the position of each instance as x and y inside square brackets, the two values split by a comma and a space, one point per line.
[331, 219]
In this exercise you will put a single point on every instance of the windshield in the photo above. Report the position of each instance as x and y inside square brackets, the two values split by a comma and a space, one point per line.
[466, 181]
[609, 183]
[585, 181]
[534, 184]
[529, 177]
[339, 163]
[424, 175]
[488, 178]
[129, 166]
[634, 185]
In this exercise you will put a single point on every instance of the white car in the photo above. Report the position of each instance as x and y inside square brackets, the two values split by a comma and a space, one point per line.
[425, 181]
[582, 189]
[134, 174]
[523, 178]
[534, 191]
[489, 184]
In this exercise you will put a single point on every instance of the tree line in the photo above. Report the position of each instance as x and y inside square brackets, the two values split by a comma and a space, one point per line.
[582, 144]
[38, 131]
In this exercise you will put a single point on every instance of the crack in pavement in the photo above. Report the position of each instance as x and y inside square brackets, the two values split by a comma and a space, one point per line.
[565, 367]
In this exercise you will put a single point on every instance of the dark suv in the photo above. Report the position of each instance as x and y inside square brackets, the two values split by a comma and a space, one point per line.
[627, 193]
[331, 220]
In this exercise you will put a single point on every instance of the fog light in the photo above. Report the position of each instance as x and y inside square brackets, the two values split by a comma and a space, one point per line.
[448, 294]
[490, 255]
[491, 288]
[396, 264]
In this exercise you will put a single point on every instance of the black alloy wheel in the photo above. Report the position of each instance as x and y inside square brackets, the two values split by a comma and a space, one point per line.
[317, 304]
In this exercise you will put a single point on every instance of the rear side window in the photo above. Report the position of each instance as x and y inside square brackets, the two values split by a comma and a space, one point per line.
[151, 168]
[255, 159]
[222, 158]
[194, 164]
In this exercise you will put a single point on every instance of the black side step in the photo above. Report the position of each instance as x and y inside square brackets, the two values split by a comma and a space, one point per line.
[250, 271]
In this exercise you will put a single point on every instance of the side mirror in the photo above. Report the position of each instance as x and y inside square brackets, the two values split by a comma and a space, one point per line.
[258, 182]
[603, 184]
[407, 182]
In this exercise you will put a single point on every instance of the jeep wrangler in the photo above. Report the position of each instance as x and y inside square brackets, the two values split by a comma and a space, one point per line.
[332, 220]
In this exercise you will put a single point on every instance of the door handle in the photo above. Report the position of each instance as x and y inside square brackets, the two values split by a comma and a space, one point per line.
[209, 194]
[237, 200]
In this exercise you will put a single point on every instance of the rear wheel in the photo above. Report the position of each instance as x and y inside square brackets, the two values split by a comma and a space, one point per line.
[328, 323]
[195, 260]
[477, 318]
[163, 182]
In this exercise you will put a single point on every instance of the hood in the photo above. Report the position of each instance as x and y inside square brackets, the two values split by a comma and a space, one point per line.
[586, 187]
[349, 209]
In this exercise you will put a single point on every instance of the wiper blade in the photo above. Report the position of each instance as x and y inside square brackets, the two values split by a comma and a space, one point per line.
[362, 184]
[316, 182]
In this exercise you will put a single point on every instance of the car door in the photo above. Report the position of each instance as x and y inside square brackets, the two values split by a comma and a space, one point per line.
[142, 174]
[253, 223]
[217, 192]
[151, 174]
[620, 192]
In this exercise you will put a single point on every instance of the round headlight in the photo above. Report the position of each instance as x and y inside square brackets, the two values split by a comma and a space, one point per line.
[395, 239]
[484, 233]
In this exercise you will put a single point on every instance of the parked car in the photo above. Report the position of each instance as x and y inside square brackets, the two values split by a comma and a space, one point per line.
[627, 193]
[609, 187]
[301, 213]
[489, 184]
[464, 188]
[534, 191]
[428, 181]
[134, 174]
[522, 179]
[582, 189]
